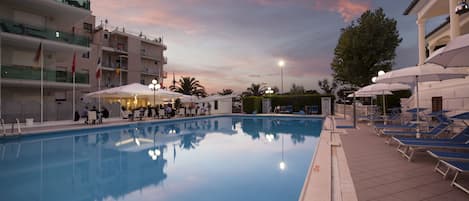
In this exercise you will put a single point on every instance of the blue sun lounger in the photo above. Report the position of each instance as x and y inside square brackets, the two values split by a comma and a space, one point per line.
[442, 168]
[459, 167]
[408, 149]
[434, 132]
[462, 137]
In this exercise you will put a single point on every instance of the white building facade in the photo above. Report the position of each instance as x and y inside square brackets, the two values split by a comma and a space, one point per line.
[448, 94]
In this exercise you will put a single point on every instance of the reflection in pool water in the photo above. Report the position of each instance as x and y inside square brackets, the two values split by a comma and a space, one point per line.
[223, 158]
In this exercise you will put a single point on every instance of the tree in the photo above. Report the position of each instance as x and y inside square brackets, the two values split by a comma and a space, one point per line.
[254, 90]
[225, 92]
[190, 86]
[297, 89]
[365, 47]
[326, 87]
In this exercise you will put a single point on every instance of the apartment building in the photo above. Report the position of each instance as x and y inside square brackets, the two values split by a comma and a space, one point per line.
[63, 28]
[127, 57]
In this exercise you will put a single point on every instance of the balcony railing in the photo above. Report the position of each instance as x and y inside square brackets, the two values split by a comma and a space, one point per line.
[34, 73]
[85, 4]
[54, 35]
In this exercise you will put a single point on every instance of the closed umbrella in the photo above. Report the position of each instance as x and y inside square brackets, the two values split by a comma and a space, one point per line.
[416, 74]
[454, 54]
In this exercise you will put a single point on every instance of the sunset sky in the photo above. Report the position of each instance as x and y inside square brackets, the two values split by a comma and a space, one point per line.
[233, 43]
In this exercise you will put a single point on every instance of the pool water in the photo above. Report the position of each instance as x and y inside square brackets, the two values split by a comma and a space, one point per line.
[222, 158]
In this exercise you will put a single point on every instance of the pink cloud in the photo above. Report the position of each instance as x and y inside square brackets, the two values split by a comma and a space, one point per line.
[348, 9]
[143, 13]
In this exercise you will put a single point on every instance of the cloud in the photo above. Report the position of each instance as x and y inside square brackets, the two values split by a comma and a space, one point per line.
[348, 9]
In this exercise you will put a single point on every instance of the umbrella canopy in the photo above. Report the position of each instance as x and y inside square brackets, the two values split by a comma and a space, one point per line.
[416, 74]
[421, 73]
[369, 94]
[133, 90]
[382, 87]
[130, 90]
[454, 54]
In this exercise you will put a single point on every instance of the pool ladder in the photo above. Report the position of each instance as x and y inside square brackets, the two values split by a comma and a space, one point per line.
[4, 129]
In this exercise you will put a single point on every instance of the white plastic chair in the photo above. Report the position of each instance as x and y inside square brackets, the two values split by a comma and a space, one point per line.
[92, 117]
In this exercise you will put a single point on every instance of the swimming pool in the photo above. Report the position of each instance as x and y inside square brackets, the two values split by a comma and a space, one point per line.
[220, 158]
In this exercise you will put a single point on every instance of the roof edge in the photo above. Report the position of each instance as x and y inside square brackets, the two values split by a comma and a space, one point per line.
[410, 7]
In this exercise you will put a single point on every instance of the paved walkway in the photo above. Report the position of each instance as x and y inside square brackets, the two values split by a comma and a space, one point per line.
[380, 173]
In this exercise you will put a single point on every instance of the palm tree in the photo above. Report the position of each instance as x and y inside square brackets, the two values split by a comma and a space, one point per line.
[190, 86]
[255, 90]
[225, 92]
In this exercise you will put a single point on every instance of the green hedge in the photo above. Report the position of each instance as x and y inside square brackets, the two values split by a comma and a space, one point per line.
[298, 102]
[251, 104]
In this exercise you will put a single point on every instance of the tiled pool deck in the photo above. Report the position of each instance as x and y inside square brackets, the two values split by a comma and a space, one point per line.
[379, 172]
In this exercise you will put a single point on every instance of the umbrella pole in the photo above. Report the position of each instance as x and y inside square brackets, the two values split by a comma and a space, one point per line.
[418, 106]
[384, 108]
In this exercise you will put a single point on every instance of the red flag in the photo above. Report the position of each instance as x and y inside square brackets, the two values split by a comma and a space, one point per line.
[98, 69]
[38, 53]
[74, 62]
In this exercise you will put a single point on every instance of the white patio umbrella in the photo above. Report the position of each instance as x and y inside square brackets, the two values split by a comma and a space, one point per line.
[133, 90]
[368, 94]
[383, 87]
[454, 54]
[416, 74]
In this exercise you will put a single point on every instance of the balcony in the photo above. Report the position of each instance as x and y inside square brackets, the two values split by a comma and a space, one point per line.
[41, 33]
[34, 73]
[85, 4]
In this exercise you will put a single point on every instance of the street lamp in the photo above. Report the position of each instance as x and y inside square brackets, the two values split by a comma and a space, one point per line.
[381, 72]
[154, 86]
[373, 79]
[281, 64]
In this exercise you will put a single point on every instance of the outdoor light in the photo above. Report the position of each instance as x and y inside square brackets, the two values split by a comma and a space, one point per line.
[269, 91]
[154, 86]
[281, 63]
[57, 34]
[381, 72]
[373, 79]
[269, 137]
[462, 7]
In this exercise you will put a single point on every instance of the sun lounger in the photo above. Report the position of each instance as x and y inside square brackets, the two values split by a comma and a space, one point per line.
[434, 132]
[408, 149]
[442, 168]
[459, 167]
[462, 137]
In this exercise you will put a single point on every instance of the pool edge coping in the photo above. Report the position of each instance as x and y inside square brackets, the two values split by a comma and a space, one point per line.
[330, 157]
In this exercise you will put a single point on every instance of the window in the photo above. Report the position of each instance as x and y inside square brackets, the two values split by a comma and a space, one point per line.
[105, 36]
[88, 27]
[215, 105]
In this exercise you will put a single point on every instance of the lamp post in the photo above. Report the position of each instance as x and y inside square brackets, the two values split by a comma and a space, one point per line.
[154, 86]
[281, 64]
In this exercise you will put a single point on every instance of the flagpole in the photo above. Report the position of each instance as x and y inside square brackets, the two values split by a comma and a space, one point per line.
[99, 87]
[73, 110]
[42, 82]
[0, 77]
[74, 90]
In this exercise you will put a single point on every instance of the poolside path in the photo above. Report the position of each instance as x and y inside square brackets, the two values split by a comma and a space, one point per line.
[380, 173]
